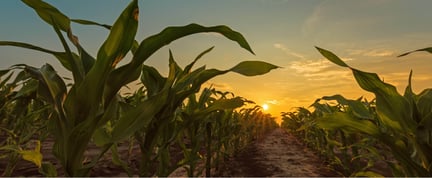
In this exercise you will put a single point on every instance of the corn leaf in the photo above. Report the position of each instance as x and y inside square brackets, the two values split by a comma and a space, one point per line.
[424, 103]
[53, 88]
[332, 57]
[34, 156]
[392, 108]
[223, 104]
[152, 80]
[28, 89]
[76, 66]
[148, 46]
[87, 96]
[358, 108]
[49, 170]
[61, 56]
[344, 121]
[120, 38]
[412, 99]
[88, 22]
[139, 117]
[252, 68]
[49, 13]
[188, 68]
[429, 49]
[113, 50]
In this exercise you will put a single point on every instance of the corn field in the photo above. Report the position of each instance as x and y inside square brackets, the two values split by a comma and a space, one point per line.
[172, 122]
[167, 111]
[364, 138]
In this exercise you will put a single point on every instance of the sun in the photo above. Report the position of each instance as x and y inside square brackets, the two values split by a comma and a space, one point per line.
[265, 107]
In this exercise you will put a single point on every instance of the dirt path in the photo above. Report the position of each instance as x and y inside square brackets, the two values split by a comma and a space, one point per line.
[277, 154]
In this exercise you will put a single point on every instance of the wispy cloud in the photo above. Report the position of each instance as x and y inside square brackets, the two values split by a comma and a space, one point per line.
[274, 102]
[371, 53]
[313, 19]
[333, 14]
[288, 51]
[313, 66]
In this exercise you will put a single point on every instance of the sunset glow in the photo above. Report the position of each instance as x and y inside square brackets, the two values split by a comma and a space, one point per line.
[265, 107]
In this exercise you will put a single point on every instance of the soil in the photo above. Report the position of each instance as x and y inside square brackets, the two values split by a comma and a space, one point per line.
[277, 154]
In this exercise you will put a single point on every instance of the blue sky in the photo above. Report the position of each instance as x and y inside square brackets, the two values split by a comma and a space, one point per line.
[368, 34]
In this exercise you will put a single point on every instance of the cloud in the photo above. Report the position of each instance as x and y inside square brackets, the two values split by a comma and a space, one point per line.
[288, 51]
[313, 19]
[333, 15]
[371, 53]
[313, 66]
[274, 102]
[382, 53]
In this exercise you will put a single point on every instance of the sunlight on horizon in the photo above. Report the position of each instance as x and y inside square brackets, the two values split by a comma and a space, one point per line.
[265, 107]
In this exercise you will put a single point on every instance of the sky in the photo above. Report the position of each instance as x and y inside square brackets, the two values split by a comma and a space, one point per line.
[367, 34]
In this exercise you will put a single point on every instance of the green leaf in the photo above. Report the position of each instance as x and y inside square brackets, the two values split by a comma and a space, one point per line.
[101, 137]
[332, 57]
[54, 89]
[429, 49]
[76, 66]
[223, 104]
[88, 22]
[189, 67]
[344, 121]
[48, 169]
[120, 38]
[152, 80]
[139, 117]
[357, 107]
[252, 68]
[61, 56]
[412, 98]
[150, 45]
[392, 108]
[424, 103]
[28, 89]
[49, 13]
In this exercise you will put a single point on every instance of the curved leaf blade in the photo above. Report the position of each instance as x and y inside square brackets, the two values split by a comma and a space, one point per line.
[429, 49]
[130, 72]
[332, 57]
[49, 13]
[252, 68]
[120, 38]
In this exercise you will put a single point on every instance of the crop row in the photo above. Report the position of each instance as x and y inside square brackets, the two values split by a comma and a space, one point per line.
[392, 132]
[36, 103]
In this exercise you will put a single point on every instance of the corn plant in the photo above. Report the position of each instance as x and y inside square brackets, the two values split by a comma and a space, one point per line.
[21, 120]
[402, 122]
[178, 86]
[198, 119]
[93, 99]
[354, 153]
